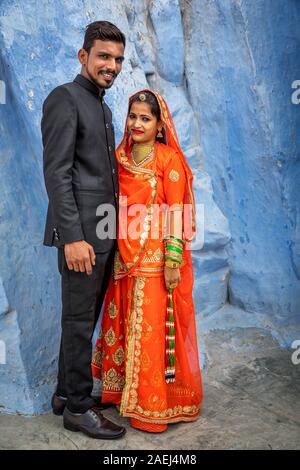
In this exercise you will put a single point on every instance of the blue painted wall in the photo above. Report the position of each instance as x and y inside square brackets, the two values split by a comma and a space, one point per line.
[246, 56]
[226, 68]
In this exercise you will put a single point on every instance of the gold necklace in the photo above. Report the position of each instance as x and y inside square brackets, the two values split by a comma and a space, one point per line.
[141, 153]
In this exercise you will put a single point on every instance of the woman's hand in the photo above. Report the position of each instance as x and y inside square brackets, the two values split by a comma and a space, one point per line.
[172, 277]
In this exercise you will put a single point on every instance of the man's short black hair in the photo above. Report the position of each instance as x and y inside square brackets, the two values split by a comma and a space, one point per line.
[103, 30]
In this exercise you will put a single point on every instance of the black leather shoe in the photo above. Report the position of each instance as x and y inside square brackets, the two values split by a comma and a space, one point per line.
[58, 404]
[93, 424]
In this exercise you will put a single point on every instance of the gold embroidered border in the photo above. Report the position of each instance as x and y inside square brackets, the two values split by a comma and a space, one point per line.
[175, 419]
[120, 270]
[158, 269]
[165, 115]
[129, 396]
[118, 273]
[169, 413]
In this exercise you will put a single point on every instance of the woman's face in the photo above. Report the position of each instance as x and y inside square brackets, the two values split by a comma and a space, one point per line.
[142, 125]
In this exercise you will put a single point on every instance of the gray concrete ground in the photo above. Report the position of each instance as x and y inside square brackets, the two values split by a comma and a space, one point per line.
[251, 401]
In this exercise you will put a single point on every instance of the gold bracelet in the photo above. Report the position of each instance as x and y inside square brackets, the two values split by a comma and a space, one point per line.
[172, 264]
[173, 254]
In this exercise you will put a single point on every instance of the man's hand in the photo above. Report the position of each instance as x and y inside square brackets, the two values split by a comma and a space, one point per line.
[80, 256]
[172, 277]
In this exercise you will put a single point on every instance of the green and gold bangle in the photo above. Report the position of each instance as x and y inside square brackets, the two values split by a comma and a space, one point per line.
[174, 254]
[174, 248]
[177, 239]
[172, 258]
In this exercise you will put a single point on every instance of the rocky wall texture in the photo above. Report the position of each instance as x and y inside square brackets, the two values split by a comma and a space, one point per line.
[225, 68]
[241, 60]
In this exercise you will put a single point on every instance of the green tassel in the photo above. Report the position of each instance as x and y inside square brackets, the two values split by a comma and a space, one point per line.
[171, 360]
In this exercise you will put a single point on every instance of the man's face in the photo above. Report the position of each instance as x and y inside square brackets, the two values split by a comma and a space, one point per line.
[103, 63]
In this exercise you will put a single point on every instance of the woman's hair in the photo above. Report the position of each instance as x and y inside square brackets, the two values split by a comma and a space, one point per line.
[149, 98]
[103, 30]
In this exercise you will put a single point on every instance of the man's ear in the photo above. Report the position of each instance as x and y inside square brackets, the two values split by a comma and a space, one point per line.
[82, 56]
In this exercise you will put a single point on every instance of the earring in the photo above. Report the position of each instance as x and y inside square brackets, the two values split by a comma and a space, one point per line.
[159, 133]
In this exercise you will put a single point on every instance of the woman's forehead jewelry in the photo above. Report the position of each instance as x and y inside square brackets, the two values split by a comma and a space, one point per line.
[142, 97]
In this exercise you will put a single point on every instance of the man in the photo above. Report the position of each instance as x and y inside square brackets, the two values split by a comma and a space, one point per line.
[80, 170]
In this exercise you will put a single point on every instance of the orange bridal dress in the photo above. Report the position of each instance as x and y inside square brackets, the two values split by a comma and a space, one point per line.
[129, 355]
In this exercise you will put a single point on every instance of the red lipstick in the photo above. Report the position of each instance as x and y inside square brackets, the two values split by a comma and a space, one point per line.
[135, 131]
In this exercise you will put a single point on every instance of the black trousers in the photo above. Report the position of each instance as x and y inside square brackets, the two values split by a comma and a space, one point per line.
[82, 299]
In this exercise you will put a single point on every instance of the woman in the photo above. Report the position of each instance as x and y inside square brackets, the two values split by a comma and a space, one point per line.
[146, 354]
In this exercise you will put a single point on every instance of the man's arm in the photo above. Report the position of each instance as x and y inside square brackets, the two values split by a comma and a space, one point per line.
[59, 128]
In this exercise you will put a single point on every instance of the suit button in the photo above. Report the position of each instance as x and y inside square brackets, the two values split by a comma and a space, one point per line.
[56, 234]
[109, 148]
[113, 171]
[116, 194]
[107, 125]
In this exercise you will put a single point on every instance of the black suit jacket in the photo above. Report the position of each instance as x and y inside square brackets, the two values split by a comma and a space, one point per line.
[80, 166]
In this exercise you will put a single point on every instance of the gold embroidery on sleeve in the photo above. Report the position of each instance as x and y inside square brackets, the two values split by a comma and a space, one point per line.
[174, 176]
